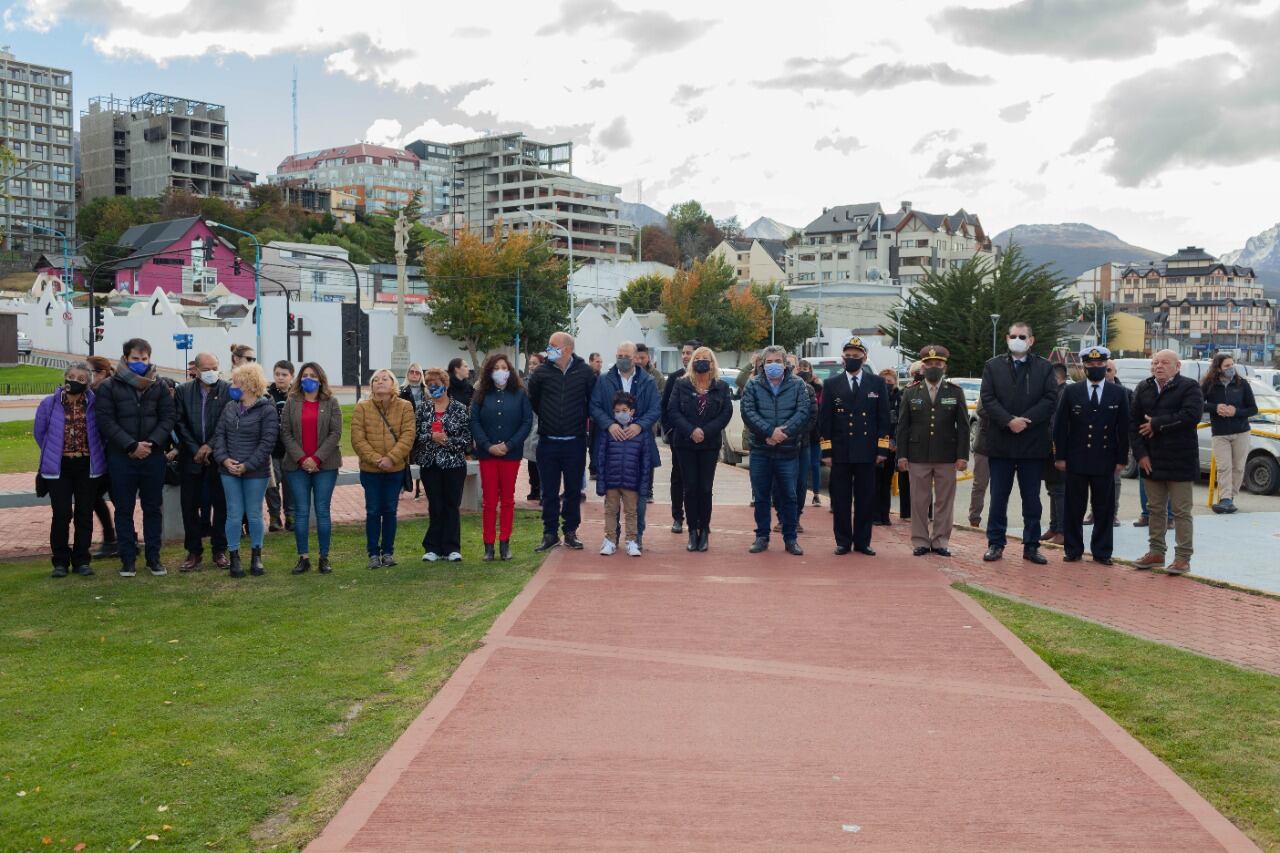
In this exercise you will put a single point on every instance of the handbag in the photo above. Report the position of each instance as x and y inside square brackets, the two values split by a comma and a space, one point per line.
[406, 479]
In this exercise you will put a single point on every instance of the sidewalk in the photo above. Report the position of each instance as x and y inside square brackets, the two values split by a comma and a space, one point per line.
[722, 701]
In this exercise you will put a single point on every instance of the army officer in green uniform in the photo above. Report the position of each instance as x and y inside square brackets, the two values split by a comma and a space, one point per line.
[933, 444]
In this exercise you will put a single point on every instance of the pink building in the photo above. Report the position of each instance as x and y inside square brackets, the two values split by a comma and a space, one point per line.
[182, 267]
[52, 264]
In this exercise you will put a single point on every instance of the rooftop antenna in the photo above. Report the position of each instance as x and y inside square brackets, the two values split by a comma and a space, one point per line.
[295, 109]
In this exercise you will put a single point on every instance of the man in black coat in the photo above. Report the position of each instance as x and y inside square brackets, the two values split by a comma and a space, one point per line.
[1090, 446]
[677, 482]
[135, 414]
[1162, 432]
[854, 417]
[199, 407]
[1018, 397]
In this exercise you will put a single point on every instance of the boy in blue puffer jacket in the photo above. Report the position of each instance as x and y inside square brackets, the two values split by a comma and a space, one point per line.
[624, 459]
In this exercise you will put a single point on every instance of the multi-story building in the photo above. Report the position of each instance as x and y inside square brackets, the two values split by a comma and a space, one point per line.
[521, 182]
[754, 260]
[436, 162]
[1207, 305]
[146, 146]
[35, 124]
[862, 243]
[381, 178]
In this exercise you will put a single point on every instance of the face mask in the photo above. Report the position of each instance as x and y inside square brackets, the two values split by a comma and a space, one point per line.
[76, 387]
[624, 365]
[774, 370]
[934, 374]
[139, 367]
[209, 377]
[1228, 373]
[553, 353]
[500, 377]
[916, 377]
[234, 393]
[853, 365]
[1096, 374]
[702, 365]
[623, 418]
[1017, 346]
[309, 385]
[436, 391]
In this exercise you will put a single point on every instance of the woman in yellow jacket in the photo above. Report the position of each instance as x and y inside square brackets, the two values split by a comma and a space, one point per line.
[382, 433]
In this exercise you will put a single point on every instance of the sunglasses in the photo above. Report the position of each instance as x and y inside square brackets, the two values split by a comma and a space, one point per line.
[250, 358]
[1019, 337]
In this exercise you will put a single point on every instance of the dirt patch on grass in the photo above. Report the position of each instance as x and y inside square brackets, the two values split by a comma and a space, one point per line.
[270, 828]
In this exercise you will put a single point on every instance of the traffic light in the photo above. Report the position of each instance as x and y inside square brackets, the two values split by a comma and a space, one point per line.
[236, 265]
[98, 332]
[293, 321]
[208, 250]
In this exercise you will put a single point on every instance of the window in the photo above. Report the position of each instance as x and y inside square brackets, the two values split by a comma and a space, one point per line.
[169, 262]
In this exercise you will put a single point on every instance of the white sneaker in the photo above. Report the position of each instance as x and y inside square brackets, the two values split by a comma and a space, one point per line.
[454, 557]
[608, 548]
[430, 557]
[633, 548]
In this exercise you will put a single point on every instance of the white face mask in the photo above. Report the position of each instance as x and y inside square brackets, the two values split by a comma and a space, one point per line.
[500, 377]
[1017, 346]
[209, 377]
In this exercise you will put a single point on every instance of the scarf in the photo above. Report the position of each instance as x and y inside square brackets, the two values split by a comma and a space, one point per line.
[133, 380]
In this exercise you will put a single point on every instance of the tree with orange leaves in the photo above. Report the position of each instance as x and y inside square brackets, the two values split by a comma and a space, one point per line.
[702, 302]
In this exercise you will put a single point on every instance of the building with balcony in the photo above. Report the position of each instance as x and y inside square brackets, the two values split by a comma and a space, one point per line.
[863, 243]
[753, 259]
[35, 124]
[146, 146]
[435, 161]
[1206, 305]
[380, 178]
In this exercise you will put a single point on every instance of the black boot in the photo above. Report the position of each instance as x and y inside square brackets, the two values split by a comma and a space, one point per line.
[702, 539]
[303, 565]
[236, 570]
[255, 563]
[693, 540]
[488, 553]
[325, 568]
[504, 550]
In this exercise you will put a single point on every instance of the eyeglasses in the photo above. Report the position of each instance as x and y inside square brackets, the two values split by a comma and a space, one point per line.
[250, 358]
[1019, 337]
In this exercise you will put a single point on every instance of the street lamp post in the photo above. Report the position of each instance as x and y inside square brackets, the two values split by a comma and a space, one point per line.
[995, 318]
[568, 285]
[817, 260]
[257, 278]
[773, 316]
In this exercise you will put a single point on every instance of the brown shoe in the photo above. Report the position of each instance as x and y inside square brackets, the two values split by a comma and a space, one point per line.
[192, 563]
[1056, 539]
[1047, 536]
[1149, 560]
[1178, 567]
[221, 560]
[975, 521]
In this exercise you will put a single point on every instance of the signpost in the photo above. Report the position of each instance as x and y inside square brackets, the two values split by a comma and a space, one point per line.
[184, 341]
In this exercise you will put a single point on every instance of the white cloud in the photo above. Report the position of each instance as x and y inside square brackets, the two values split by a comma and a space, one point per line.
[670, 93]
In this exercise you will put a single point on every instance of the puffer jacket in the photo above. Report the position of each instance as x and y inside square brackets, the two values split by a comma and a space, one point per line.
[1173, 448]
[1235, 393]
[49, 431]
[457, 430]
[648, 407]
[561, 398]
[371, 439]
[792, 408]
[127, 416]
[683, 418]
[623, 464]
[247, 436]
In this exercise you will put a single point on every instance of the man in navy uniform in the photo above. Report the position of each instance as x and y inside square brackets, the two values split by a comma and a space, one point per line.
[1091, 445]
[854, 417]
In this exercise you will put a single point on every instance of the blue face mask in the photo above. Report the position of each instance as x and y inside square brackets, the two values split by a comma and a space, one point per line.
[623, 418]
[774, 370]
[436, 391]
[309, 385]
[234, 393]
[139, 367]
[553, 353]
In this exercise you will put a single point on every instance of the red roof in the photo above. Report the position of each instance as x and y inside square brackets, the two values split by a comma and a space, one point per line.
[304, 162]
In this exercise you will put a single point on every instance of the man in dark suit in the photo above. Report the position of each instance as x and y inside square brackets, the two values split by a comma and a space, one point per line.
[1018, 397]
[854, 417]
[199, 405]
[1090, 446]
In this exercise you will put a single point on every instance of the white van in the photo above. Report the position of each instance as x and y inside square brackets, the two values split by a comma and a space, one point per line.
[1131, 371]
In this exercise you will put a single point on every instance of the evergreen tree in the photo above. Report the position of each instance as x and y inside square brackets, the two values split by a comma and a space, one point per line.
[643, 294]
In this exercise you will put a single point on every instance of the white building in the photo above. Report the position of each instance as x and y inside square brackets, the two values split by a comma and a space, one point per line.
[601, 283]
[317, 279]
[754, 260]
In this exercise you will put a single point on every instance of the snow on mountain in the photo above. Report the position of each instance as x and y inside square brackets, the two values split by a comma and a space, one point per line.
[1262, 252]
[1073, 247]
[641, 214]
[765, 228]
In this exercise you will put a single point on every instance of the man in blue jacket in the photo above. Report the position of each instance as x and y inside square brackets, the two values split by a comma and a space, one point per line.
[776, 408]
[626, 376]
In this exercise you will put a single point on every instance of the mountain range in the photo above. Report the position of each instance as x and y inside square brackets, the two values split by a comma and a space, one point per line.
[765, 228]
[1070, 248]
[641, 214]
[1262, 252]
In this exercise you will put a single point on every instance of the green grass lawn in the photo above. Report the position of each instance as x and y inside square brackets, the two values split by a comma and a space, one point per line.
[1215, 724]
[220, 714]
[31, 373]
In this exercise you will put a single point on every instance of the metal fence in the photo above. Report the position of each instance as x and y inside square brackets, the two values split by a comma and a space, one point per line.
[27, 389]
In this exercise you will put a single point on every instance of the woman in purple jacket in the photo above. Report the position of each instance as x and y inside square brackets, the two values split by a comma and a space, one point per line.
[71, 461]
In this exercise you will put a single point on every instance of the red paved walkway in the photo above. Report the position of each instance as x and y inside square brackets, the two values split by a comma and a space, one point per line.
[725, 702]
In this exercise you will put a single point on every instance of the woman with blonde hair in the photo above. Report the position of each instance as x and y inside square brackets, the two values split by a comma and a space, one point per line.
[242, 445]
[698, 411]
[382, 435]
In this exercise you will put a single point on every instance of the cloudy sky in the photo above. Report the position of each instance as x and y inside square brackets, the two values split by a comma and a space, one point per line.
[1158, 120]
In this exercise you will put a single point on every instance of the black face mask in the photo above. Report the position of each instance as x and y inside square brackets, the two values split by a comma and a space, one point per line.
[74, 387]
[702, 365]
[852, 365]
[933, 374]
[1096, 374]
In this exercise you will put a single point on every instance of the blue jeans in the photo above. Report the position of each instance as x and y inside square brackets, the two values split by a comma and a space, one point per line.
[302, 486]
[1003, 472]
[244, 501]
[561, 463]
[1142, 498]
[815, 467]
[132, 479]
[381, 500]
[773, 479]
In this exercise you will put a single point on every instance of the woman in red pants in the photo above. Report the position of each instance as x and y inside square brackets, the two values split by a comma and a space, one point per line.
[501, 419]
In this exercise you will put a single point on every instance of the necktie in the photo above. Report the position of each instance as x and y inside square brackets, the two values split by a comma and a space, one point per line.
[1095, 396]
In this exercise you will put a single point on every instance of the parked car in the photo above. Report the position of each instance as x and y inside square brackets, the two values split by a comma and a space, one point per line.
[24, 344]
[1262, 467]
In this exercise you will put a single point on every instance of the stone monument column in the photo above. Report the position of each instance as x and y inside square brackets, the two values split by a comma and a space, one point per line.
[400, 343]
